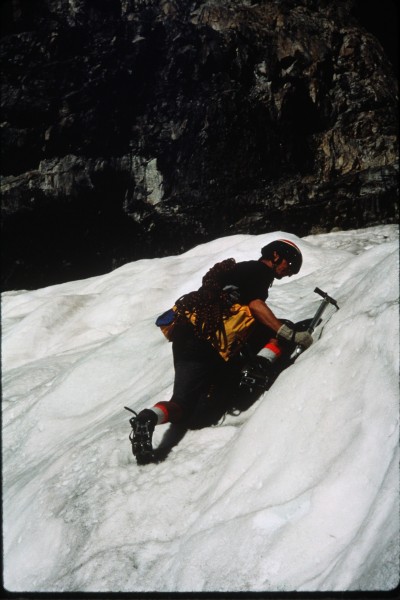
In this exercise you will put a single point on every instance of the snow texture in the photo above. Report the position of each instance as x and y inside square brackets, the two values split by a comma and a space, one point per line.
[300, 492]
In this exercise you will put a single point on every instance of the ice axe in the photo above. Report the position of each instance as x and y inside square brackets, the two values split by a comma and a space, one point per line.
[326, 300]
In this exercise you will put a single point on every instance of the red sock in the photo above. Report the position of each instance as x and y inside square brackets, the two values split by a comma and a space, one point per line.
[167, 412]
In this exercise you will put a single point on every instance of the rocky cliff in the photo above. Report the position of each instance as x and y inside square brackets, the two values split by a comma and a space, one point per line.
[139, 128]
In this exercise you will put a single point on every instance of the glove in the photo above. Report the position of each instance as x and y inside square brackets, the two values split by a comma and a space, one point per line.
[303, 338]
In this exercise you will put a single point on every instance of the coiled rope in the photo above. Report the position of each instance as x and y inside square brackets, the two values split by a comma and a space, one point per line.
[210, 305]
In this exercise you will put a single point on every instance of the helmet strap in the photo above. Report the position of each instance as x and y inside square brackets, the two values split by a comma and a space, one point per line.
[276, 261]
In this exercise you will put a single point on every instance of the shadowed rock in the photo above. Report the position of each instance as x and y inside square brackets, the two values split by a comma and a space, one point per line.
[141, 128]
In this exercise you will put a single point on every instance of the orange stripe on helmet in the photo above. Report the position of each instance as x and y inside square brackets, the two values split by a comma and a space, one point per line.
[290, 243]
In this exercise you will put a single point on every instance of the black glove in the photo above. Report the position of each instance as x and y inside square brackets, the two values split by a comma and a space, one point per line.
[303, 338]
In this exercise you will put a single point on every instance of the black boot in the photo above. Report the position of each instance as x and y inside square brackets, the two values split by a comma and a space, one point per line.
[256, 375]
[141, 435]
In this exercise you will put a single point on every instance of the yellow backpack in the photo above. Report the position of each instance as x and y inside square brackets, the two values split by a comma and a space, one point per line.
[235, 321]
[237, 327]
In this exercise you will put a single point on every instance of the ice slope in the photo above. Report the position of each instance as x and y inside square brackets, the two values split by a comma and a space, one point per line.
[300, 492]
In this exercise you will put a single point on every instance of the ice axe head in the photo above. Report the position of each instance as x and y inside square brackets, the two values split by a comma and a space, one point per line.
[326, 297]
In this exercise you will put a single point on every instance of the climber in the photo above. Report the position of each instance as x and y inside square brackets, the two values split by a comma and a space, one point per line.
[209, 326]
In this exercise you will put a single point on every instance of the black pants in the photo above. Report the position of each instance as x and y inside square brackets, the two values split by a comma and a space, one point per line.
[205, 385]
[201, 376]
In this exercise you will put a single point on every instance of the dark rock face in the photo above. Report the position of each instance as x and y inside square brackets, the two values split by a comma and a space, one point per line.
[140, 128]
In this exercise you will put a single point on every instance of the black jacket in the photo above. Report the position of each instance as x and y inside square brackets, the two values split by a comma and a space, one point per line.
[252, 277]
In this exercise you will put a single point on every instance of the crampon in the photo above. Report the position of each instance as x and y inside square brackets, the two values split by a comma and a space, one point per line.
[141, 437]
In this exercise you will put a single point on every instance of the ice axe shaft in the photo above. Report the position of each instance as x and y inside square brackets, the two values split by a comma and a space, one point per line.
[326, 300]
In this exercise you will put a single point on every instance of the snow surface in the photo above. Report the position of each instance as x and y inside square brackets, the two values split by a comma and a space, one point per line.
[300, 492]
